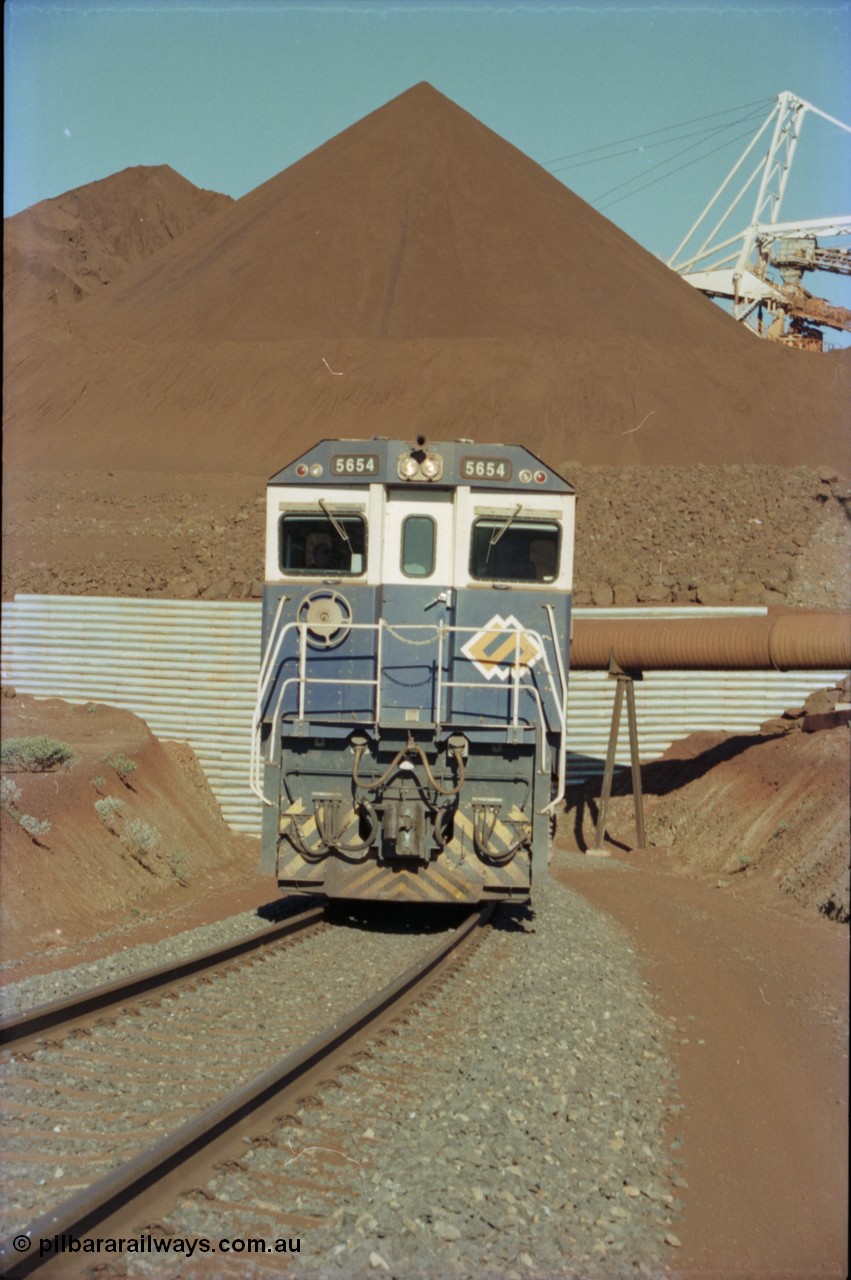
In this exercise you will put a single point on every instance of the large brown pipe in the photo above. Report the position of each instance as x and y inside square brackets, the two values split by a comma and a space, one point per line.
[780, 642]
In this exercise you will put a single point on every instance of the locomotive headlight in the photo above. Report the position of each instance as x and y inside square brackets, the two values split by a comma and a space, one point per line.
[408, 468]
[432, 467]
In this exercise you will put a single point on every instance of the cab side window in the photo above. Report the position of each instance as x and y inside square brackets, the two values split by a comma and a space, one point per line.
[312, 545]
[509, 550]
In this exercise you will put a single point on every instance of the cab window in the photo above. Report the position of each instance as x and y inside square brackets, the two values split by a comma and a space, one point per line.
[417, 551]
[313, 545]
[514, 550]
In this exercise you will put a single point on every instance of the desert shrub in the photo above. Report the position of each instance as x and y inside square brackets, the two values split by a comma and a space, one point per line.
[139, 836]
[34, 826]
[34, 755]
[98, 781]
[10, 794]
[107, 809]
[179, 862]
[122, 765]
[10, 797]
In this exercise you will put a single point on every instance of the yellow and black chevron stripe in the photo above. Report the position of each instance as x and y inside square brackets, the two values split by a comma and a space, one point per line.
[439, 881]
[503, 836]
[457, 875]
[302, 831]
[390, 882]
[295, 871]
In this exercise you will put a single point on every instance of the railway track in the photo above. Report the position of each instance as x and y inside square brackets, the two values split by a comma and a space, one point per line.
[74, 1013]
[151, 1178]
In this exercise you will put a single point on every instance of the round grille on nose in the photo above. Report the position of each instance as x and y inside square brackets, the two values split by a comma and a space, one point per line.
[327, 617]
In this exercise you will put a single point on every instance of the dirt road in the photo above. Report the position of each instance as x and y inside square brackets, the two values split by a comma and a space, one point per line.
[758, 1001]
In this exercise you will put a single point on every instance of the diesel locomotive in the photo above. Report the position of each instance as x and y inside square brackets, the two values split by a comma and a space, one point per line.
[409, 727]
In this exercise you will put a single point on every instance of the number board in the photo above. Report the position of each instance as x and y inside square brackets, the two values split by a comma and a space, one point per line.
[485, 469]
[354, 464]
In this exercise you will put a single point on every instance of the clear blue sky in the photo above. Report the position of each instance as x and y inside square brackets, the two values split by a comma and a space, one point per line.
[230, 93]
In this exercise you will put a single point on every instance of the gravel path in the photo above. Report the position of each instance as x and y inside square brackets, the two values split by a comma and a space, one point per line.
[512, 1127]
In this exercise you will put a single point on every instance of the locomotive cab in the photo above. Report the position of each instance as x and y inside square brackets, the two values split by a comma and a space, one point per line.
[409, 730]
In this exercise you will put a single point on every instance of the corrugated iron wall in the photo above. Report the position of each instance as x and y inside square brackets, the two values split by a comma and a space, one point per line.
[189, 669]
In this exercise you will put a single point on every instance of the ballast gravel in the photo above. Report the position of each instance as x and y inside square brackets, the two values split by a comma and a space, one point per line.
[42, 988]
[511, 1126]
[73, 1111]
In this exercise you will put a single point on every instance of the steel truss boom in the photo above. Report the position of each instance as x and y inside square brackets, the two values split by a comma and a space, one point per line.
[734, 266]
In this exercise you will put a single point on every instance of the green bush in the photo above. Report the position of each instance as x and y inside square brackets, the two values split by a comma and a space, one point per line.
[140, 837]
[10, 794]
[122, 765]
[34, 827]
[179, 862]
[107, 808]
[34, 755]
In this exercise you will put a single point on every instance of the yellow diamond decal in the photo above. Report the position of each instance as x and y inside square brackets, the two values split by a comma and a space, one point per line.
[500, 644]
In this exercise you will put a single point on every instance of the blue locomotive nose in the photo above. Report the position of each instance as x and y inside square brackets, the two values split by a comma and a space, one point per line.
[410, 718]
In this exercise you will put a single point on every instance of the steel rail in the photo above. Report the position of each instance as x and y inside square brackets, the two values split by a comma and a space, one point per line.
[121, 1187]
[65, 1012]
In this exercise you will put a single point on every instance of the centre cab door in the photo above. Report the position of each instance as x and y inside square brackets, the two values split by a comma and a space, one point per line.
[416, 594]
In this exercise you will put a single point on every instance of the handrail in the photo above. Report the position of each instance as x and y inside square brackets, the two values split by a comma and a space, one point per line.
[519, 672]
[266, 664]
[562, 675]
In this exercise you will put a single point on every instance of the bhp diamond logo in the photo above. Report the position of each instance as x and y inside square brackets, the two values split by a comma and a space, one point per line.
[500, 644]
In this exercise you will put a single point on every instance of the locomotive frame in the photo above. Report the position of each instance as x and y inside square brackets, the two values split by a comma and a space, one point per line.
[408, 739]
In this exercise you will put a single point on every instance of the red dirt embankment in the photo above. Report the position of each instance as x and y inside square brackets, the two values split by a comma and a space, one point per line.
[769, 535]
[127, 830]
[760, 816]
[749, 842]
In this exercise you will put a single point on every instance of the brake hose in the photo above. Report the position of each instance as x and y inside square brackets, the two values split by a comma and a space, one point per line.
[410, 746]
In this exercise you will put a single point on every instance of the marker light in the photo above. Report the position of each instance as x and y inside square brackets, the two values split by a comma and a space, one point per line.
[301, 470]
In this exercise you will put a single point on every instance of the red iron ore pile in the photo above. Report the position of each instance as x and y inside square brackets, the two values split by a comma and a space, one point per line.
[169, 348]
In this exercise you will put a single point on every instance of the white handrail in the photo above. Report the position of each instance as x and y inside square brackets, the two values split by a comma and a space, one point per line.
[562, 675]
[265, 664]
[519, 670]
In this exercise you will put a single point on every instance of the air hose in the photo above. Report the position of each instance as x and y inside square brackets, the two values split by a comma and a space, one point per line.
[410, 746]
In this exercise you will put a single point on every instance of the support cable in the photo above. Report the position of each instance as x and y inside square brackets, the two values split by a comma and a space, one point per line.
[636, 137]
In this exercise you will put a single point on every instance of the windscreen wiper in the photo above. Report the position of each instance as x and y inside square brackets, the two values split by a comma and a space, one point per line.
[497, 533]
[339, 528]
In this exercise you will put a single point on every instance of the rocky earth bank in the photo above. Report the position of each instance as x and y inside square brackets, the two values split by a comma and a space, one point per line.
[102, 824]
[713, 535]
[762, 814]
[710, 535]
